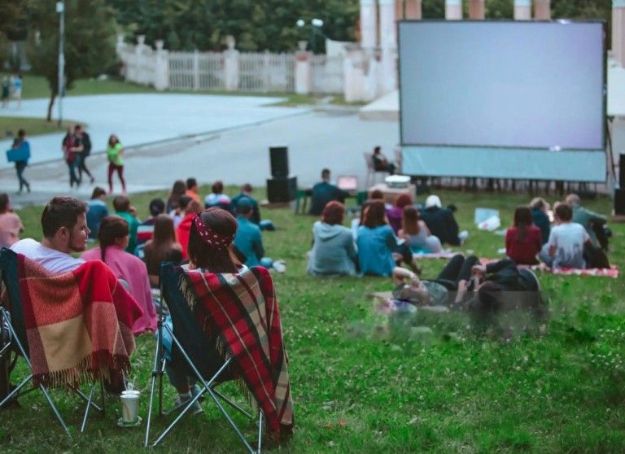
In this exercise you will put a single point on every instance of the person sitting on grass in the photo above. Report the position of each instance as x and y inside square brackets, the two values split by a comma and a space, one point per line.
[10, 223]
[333, 251]
[324, 192]
[248, 239]
[193, 190]
[179, 188]
[565, 248]
[396, 212]
[192, 208]
[113, 237]
[416, 233]
[124, 210]
[539, 208]
[441, 222]
[96, 211]
[163, 247]
[377, 244]
[217, 198]
[145, 231]
[594, 223]
[523, 240]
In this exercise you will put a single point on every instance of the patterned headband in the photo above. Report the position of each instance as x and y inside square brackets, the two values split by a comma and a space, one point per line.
[210, 237]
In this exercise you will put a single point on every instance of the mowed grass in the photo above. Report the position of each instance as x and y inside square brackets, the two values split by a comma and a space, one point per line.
[360, 386]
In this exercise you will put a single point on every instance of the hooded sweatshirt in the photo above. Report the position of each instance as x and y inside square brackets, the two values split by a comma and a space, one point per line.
[333, 250]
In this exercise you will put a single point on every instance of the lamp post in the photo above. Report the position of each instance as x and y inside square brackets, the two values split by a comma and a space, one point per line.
[315, 27]
[60, 9]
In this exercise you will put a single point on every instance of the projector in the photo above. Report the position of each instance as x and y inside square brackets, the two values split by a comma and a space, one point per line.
[397, 181]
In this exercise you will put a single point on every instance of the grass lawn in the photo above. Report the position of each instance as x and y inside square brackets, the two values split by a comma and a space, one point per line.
[359, 386]
[33, 126]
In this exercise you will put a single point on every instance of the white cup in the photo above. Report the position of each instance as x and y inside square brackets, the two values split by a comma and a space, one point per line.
[130, 406]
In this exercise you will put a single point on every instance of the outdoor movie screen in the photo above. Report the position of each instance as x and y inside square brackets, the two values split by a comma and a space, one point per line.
[502, 84]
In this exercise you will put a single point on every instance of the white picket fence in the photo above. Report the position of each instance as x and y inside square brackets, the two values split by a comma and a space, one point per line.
[266, 72]
[196, 71]
[327, 74]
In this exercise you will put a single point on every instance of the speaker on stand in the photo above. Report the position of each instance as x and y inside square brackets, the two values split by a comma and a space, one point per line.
[281, 188]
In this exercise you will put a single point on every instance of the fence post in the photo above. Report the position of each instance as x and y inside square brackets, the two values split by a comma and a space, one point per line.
[354, 74]
[137, 75]
[196, 70]
[303, 70]
[161, 67]
[231, 65]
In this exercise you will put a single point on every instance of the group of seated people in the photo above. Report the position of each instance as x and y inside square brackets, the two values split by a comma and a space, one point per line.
[208, 247]
[385, 234]
[575, 239]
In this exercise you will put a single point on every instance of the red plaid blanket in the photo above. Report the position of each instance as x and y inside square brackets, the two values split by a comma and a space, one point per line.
[243, 309]
[78, 324]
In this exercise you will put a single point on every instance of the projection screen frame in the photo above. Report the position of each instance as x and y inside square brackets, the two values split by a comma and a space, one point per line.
[568, 164]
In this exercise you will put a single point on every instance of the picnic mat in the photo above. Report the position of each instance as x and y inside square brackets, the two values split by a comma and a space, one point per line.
[612, 272]
[78, 324]
[243, 309]
[434, 255]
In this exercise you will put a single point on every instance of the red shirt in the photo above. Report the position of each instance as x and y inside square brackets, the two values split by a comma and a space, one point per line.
[524, 251]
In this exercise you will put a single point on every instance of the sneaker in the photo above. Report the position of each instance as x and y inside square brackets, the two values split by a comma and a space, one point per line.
[279, 266]
[183, 399]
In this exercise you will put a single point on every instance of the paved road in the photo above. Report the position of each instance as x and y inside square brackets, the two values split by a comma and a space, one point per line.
[239, 154]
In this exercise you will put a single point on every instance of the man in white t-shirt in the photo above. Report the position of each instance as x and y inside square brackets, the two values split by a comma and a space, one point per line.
[565, 248]
[64, 225]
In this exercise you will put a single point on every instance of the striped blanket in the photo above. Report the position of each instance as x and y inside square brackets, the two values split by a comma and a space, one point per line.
[78, 324]
[243, 309]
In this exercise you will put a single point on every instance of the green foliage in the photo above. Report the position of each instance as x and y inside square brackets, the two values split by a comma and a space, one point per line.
[257, 25]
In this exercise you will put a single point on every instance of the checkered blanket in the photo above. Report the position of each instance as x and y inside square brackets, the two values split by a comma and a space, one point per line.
[78, 324]
[243, 309]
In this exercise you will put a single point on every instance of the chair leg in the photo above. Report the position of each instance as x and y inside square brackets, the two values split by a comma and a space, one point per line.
[83, 426]
[260, 430]
[55, 410]
[15, 391]
[157, 373]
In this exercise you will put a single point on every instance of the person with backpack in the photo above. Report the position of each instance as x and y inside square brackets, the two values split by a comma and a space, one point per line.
[83, 140]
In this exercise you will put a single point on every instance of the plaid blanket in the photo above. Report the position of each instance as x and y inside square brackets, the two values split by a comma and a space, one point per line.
[78, 324]
[243, 309]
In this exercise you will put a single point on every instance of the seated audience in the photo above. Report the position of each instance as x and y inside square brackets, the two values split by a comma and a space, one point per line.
[441, 222]
[324, 192]
[163, 247]
[146, 228]
[10, 223]
[217, 198]
[523, 240]
[540, 218]
[64, 225]
[565, 248]
[416, 233]
[178, 190]
[594, 223]
[246, 191]
[114, 237]
[183, 229]
[124, 210]
[96, 211]
[178, 213]
[376, 243]
[248, 239]
[396, 212]
[380, 163]
[193, 190]
[333, 251]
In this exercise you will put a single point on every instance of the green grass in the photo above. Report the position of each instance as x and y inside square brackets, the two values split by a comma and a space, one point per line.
[360, 387]
[33, 126]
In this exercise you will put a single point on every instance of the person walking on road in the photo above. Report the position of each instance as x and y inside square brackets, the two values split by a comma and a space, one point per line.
[20, 143]
[114, 153]
[83, 140]
[71, 154]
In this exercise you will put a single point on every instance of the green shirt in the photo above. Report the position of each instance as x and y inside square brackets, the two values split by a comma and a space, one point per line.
[133, 225]
[114, 154]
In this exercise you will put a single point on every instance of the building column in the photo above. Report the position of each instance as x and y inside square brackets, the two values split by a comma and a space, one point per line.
[476, 9]
[368, 27]
[522, 9]
[453, 9]
[542, 9]
[388, 44]
[618, 31]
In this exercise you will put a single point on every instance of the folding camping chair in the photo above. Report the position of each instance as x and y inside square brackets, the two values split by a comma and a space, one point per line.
[197, 352]
[12, 317]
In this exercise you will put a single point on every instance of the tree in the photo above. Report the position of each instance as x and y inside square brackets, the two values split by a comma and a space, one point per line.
[89, 41]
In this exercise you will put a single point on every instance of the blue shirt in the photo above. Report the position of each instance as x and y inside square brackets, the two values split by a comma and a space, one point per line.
[96, 211]
[249, 241]
[375, 247]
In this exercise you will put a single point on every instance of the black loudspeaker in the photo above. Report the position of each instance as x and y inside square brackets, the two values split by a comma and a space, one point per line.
[619, 201]
[280, 190]
[621, 171]
[279, 159]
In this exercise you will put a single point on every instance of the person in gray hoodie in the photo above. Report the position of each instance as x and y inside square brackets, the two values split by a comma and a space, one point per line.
[334, 251]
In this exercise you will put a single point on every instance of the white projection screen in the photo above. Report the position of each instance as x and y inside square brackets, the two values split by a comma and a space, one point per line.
[503, 99]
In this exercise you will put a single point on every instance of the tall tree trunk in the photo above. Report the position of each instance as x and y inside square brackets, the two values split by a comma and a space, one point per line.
[50, 105]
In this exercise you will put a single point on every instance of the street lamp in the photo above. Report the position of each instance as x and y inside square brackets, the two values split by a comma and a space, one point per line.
[60, 9]
[315, 27]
